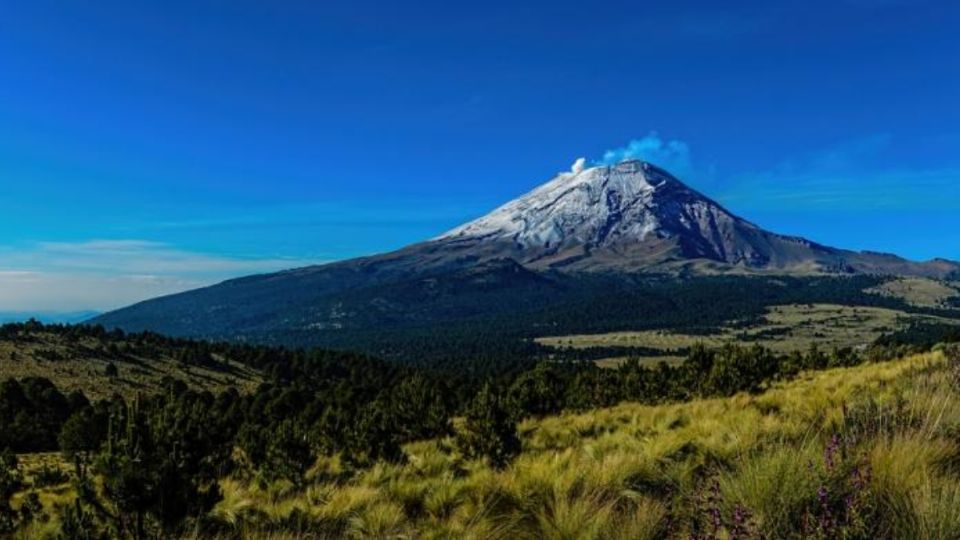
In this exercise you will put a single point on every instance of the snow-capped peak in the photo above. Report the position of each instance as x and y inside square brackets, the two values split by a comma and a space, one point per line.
[584, 205]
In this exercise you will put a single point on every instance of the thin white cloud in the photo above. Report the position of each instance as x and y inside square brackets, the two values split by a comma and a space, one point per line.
[106, 274]
[578, 165]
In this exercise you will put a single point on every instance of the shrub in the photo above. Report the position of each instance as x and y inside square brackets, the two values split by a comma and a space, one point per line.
[49, 476]
[490, 431]
[82, 433]
[10, 481]
[288, 453]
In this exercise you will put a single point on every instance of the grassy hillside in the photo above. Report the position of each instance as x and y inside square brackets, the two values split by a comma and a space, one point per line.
[861, 452]
[644, 472]
[920, 292]
[783, 328]
[85, 361]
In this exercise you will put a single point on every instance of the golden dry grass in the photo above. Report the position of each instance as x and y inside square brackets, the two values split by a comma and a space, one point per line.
[635, 471]
[631, 471]
[921, 292]
[80, 365]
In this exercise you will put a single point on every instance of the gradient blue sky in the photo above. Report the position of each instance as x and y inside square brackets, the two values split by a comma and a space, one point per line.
[148, 147]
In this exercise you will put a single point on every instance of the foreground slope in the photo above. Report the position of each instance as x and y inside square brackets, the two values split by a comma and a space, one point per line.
[615, 223]
[860, 452]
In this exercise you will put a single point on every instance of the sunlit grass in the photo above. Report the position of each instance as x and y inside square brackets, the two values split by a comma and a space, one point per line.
[640, 471]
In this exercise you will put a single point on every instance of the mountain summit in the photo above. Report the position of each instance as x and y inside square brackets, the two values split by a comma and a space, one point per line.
[632, 215]
[621, 223]
[635, 216]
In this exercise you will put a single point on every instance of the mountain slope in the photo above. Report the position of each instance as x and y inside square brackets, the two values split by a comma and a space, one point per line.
[636, 216]
[578, 237]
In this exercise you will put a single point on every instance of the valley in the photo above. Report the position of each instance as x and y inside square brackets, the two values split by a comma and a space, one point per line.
[784, 329]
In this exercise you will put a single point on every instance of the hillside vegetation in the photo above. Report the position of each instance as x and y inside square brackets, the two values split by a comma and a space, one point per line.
[100, 363]
[921, 292]
[783, 328]
[863, 452]
[868, 451]
[493, 311]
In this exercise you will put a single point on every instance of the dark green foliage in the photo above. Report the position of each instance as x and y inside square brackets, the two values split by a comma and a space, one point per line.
[452, 315]
[10, 481]
[922, 335]
[374, 435]
[735, 369]
[538, 391]
[490, 431]
[48, 475]
[31, 413]
[84, 431]
[706, 372]
[421, 406]
[31, 508]
[78, 523]
[111, 370]
[466, 320]
[288, 453]
[161, 462]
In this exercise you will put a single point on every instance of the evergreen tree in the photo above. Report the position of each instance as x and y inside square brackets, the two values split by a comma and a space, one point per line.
[288, 453]
[374, 435]
[538, 391]
[420, 408]
[159, 464]
[490, 431]
[82, 433]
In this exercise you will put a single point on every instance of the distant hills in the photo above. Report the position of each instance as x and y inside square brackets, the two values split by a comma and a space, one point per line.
[593, 249]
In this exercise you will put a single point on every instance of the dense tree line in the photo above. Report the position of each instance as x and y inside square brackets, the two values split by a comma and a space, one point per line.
[500, 334]
[32, 413]
[922, 334]
[486, 342]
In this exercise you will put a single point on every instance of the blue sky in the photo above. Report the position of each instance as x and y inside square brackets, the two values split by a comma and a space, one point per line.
[149, 147]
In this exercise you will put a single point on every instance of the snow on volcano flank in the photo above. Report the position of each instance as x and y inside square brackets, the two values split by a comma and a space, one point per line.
[590, 206]
[636, 216]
